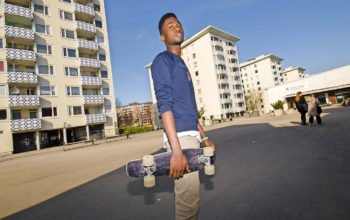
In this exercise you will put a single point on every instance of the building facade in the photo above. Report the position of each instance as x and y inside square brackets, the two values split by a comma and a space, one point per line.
[258, 74]
[212, 60]
[293, 73]
[330, 87]
[56, 82]
[136, 114]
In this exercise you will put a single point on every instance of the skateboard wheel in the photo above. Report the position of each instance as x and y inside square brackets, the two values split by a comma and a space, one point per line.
[208, 152]
[149, 181]
[209, 170]
[148, 160]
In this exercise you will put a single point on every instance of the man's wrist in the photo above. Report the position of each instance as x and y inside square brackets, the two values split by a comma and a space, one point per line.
[204, 138]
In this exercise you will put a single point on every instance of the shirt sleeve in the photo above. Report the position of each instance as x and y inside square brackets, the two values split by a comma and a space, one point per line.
[161, 74]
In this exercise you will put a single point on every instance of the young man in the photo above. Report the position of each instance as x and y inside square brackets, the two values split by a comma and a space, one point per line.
[177, 105]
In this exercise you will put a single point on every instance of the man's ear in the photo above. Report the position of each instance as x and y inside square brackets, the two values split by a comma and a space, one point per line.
[162, 37]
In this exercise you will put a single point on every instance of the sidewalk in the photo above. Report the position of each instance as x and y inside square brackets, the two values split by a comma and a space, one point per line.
[33, 178]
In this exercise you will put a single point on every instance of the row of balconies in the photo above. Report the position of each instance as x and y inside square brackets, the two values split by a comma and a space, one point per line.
[27, 13]
[31, 124]
[31, 78]
[28, 55]
[17, 101]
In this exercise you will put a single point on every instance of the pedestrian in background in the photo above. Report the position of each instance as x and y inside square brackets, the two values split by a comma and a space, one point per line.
[302, 106]
[313, 110]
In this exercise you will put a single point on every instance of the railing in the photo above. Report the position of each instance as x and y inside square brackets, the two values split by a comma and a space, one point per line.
[93, 100]
[86, 26]
[22, 77]
[91, 81]
[24, 101]
[84, 9]
[87, 44]
[95, 118]
[25, 124]
[18, 10]
[18, 54]
[89, 62]
[19, 32]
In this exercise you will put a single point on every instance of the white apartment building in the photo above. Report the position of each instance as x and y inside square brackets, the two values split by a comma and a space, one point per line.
[258, 74]
[293, 73]
[56, 82]
[212, 60]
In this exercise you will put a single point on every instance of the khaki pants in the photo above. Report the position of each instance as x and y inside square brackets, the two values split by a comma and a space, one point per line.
[187, 188]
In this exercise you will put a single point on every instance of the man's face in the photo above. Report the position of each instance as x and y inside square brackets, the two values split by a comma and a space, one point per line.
[172, 32]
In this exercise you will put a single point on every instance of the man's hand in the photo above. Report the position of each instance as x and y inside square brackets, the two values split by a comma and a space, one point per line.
[209, 143]
[178, 165]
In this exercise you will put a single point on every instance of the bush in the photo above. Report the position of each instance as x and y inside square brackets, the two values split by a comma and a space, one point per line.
[277, 105]
[135, 129]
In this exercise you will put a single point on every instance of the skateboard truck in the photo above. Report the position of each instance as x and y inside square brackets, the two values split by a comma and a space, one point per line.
[148, 168]
[209, 169]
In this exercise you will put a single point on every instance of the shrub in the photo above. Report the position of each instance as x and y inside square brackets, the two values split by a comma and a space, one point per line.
[135, 129]
[277, 105]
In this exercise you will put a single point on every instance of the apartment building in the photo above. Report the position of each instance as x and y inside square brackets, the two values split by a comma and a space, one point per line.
[56, 82]
[212, 60]
[258, 74]
[136, 114]
[293, 73]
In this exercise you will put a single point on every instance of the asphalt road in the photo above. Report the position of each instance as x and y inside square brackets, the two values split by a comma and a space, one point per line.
[262, 172]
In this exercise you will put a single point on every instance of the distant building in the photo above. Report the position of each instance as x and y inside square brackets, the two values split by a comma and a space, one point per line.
[330, 87]
[258, 74]
[136, 114]
[293, 73]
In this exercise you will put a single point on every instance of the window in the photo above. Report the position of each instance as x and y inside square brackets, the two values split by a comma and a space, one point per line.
[2, 90]
[74, 110]
[71, 71]
[98, 23]
[45, 69]
[194, 56]
[256, 71]
[33, 113]
[108, 108]
[41, 28]
[1, 66]
[73, 90]
[67, 34]
[3, 114]
[1, 43]
[105, 91]
[100, 39]
[40, 48]
[16, 114]
[67, 1]
[41, 9]
[102, 57]
[97, 7]
[47, 90]
[196, 73]
[69, 52]
[49, 112]
[66, 15]
[104, 74]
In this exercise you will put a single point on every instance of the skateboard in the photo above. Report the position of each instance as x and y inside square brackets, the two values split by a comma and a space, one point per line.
[159, 165]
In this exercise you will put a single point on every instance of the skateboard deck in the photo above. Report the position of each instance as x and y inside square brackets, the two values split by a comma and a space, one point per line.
[159, 165]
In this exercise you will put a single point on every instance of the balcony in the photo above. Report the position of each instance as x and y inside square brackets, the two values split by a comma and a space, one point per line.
[94, 100]
[84, 9]
[22, 78]
[226, 90]
[86, 26]
[89, 62]
[18, 32]
[18, 11]
[26, 124]
[24, 101]
[220, 81]
[22, 55]
[87, 44]
[227, 110]
[225, 100]
[91, 81]
[95, 118]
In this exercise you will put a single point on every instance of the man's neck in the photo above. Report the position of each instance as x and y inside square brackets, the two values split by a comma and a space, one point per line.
[175, 49]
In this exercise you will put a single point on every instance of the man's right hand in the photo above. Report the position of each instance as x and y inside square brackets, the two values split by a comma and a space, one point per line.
[178, 165]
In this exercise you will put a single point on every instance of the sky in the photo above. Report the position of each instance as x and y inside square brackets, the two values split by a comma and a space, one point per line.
[313, 34]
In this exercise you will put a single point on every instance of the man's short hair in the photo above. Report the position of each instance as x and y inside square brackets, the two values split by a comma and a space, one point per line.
[163, 18]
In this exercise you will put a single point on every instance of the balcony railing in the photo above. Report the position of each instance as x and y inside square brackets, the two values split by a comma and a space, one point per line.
[225, 90]
[22, 77]
[91, 81]
[95, 118]
[225, 100]
[89, 62]
[94, 100]
[92, 45]
[84, 9]
[86, 26]
[18, 11]
[25, 124]
[24, 101]
[18, 54]
[19, 32]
